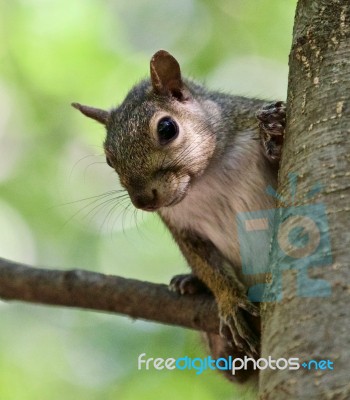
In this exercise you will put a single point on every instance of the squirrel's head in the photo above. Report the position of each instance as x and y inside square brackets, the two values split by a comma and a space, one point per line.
[160, 139]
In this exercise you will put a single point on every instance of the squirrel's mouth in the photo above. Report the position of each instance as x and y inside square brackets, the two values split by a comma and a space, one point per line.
[181, 192]
[153, 200]
[174, 201]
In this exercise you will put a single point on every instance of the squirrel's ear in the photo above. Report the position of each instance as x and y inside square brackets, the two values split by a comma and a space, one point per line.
[94, 113]
[166, 75]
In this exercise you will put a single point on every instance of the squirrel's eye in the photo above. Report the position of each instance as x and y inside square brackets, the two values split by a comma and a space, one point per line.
[167, 130]
[109, 162]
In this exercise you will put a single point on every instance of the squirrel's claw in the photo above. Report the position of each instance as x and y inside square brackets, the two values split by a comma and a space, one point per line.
[234, 326]
[187, 284]
[248, 306]
[236, 331]
[272, 123]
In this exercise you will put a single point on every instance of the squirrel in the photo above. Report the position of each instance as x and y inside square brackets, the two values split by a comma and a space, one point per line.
[198, 157]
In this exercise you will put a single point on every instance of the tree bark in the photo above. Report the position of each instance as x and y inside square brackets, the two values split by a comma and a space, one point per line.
[305, 324]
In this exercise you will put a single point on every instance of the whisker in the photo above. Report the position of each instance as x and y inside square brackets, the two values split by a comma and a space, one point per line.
[125, 214]
[88, 198]
[96, 199]
[99, 207]
[90, 165]
[108, 218]
[78, 162]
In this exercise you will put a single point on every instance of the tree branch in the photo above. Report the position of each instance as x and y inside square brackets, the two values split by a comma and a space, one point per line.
[95, 291]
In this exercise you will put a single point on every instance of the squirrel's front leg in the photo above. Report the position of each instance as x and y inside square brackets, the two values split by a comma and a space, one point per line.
[210, 267]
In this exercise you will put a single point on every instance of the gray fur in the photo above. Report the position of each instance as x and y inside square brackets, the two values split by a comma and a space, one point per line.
[214, 169]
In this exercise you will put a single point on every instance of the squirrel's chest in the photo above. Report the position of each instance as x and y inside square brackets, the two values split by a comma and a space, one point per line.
[211, 207]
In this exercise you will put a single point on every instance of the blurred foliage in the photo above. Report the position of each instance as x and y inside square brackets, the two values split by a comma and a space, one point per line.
[52, 168]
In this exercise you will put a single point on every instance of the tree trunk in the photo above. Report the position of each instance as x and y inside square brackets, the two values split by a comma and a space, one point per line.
[312, 318]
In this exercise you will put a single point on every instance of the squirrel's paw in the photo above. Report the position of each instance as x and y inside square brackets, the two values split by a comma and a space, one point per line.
[234, 326]
[187, 284]
[272, 124]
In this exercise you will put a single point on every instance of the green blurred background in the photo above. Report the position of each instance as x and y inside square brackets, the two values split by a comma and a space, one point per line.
[52, 165]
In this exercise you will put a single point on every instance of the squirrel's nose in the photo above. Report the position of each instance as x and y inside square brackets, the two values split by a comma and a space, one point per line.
[146, 201]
